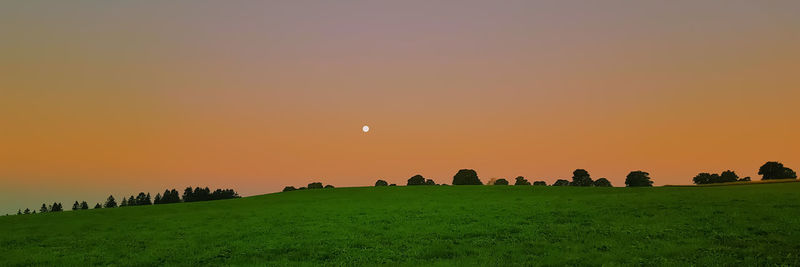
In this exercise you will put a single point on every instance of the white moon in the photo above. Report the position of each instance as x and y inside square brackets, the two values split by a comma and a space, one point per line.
[365, 128]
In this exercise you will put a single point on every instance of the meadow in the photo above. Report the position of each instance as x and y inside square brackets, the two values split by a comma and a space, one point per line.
[428, 225]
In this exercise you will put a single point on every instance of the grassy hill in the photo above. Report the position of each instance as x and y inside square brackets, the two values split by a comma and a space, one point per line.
[431, 225]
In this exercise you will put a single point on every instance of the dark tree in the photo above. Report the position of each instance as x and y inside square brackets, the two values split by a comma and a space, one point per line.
[561, 182]
[132, 201]
[84, 205]
[98, 206]
[728, 177]
[638, 179]
[602, 182]
[746, 179]
[580, 177]
[110, 202]
[501, 181]
[28, 211]
[329, 186]
[704, 178]
[381, 183]
[188, 195]
[289, 188]
[430, 182]
[315, 185]
[76, 206]
[416, 180]
[220, 194]
[124, 203]
[157, 199]
[393, 185]
[56, 207]
[34, 212]
[302, 188]
[540, 183]
[466, 177]
[19, 212]
[43, 209]
[521, 181]
[775, 170]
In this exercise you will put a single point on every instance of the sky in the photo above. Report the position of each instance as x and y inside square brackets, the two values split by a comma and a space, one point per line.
[119, 97]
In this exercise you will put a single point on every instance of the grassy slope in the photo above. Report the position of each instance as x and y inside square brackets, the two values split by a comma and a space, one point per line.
[485, 225]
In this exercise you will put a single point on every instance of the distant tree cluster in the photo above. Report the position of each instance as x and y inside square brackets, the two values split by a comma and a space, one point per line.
[466, 177]
[169, 196]
[314, 185]
[381, 183]
[205, 194]
[713, 178]
[521, 181]
[773, 170]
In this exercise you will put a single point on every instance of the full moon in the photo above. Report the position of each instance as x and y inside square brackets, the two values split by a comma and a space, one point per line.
[365, 128]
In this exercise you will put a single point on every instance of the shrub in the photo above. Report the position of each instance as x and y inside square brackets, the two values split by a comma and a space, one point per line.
[501, 181]
[466, 177]
[561, 182]
[381, 183]
[540, 183]
[289, 188]
[430, 182]
[602, 182]
[329, 186]
[315, 185]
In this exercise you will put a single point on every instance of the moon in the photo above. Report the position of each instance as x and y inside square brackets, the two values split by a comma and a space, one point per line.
[365, 128]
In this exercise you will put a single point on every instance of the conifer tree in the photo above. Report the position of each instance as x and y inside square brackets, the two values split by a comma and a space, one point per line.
[124, 202]
[110, 202]
[76, 206]
[43, 208]
[98, 206]
[84, 205]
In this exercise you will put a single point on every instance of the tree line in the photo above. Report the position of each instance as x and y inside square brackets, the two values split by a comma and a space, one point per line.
[142, 199]
[772, 170]
[580, 177]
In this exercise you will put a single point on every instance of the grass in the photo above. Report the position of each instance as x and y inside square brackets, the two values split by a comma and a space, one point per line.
[428, 225]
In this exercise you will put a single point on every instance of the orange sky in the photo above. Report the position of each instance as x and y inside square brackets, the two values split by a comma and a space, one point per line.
[122, 97]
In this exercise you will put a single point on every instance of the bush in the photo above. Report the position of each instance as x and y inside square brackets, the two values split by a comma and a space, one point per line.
[381, 183]
[430, 182]
[521, 181]
[416, 180]
[315, 185]
[540, 183]
[580, 177]
[561, 182]
[501, 182]
[602, 182]
[329, 186]
[289, 188]
[393, 185]
[466, 177]
[638, 179]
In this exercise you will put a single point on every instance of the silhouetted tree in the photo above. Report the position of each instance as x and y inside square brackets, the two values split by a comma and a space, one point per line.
[124, 203]
[329, 186]
[416, 180]
[19, 212]
[33, 212]
[393, 185]
[466, 177]
[381, 183]
[580, 177]
[745, 179]
[521, 181]
[98, 206]
[76, 206]
[43, 209]
[289, 188]
[430, 182]
[561, 182]
[501, 181]
[157, 199]
[84, 205]
[704, 178]
[540, 183]
[638, 179]
[728, 176]
[775, 170]
[188, 195]
[110, 202]
[56, 207]
[315, 185]
[602, 182]
[28, 211]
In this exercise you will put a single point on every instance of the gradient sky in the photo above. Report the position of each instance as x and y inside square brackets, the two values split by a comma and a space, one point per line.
[102, 97]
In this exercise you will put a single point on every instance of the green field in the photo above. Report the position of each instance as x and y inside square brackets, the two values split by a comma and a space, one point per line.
[429, 225]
